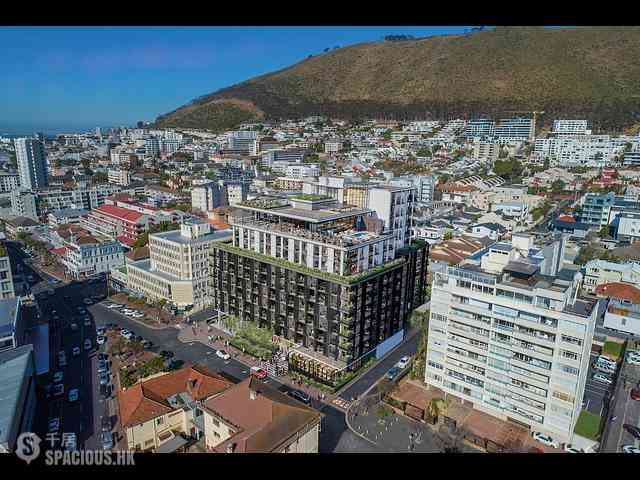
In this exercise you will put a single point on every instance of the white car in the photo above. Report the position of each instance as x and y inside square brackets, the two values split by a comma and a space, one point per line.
[73, 394]
[87, 321]
[75, 351]
[62, 359]
[602, 378]
[223, 355]
[633, 360]
[87, 344]
[630, 449]
[101, 339]
[567, 447]
[137, 315]
[545, 439]
[124, 332]
[403, 362]
[57, 377]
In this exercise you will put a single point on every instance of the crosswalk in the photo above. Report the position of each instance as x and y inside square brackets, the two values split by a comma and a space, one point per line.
[343, 404]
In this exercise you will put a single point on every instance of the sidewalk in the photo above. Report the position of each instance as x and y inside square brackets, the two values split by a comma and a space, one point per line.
[191, 333]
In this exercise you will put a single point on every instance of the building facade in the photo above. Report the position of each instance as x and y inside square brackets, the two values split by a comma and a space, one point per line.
[32, 163]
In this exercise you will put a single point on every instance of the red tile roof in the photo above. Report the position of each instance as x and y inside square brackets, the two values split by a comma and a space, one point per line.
[59, 251]
[262, 424]
[620, 290]
[147, 400]
[119, 212]
[126, 240]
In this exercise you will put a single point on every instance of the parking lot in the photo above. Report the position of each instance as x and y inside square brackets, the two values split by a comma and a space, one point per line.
[595, 392]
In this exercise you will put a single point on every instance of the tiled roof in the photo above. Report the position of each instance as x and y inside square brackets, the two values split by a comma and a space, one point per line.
[119, 212]
[138, 253]
[262, 423]
[619, 290]
[147, 400]
[125, 240]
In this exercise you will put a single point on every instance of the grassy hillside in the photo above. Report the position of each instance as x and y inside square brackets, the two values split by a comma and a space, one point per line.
[580, 72]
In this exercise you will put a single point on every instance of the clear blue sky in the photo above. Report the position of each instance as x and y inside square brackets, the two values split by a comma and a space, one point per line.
[55, 79]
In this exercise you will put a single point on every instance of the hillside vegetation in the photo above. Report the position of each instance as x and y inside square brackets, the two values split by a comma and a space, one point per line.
[585, 72]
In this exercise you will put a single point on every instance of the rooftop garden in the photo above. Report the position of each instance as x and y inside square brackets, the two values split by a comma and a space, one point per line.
[332, 277]
[265, 203]
[310, 197]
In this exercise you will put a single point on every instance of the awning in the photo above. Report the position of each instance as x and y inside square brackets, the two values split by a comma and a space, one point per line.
[172, 445]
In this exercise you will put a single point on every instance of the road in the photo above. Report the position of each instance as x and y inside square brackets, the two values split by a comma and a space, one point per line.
[334, 437]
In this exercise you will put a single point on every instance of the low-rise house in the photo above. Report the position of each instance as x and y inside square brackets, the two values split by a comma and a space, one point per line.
[455, 250]
[66, 216]
[157, 414]
[492, 230]
[568, 224]
[623, 310]
[254, 417]
[20, 224]
[598, 272]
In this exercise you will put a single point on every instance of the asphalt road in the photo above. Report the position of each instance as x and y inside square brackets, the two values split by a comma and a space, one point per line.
[335, 435]
[371, 377]
[594, 391]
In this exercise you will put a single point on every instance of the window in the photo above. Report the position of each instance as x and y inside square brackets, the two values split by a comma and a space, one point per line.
[568, 354]
[159, 420]
[571, 340]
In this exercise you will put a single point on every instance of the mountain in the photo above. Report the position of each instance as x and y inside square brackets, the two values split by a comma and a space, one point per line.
[583, 72]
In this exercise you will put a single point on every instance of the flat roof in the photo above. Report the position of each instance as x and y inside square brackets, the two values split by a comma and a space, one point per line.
[176, 236]
[14, 364]
[313, 216]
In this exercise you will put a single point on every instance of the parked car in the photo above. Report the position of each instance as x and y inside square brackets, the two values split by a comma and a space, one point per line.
[87, 344]
[166, 354]
[53, 425]
[107, 440]
[103, 356]
[635, 394]
[403, 362]
[106, 423]
[300, 396]
[87, 321]
[567, 447]
[57, 377]
[147, 344]
[602, 378]
[630, 449]
[58, 390]
[75, 351]
[105, 391]
[545, 439]
[608, 361]
[392, 373]
[73, 394]
[101, 331]
[101, 339]
[102, 366]
[633, 360]
[223, 355]
[604, 368]
[633, 430]
[104, 378]
[258, 372]
[62, 358]
[74, 327]
[87, 301]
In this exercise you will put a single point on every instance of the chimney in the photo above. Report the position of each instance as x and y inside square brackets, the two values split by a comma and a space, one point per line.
[231, 447]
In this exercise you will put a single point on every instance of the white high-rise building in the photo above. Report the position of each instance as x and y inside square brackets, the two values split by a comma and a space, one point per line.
[32, 163]
[510, 341]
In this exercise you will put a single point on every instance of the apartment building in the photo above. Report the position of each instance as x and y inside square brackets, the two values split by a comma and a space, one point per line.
[45, 200]
[596, 209]
[241, 141]
[207, 196]
[287, 183]
[571, 127]
[57, 218]
[424, 187]
[515, 129]
[254, 417]
[117, 223]
[83, 255]
[32, 163]
[290, 155]
[332, 146]
[346, 190]
[329, 278]
[304, 170]
[579, 150]
[9, 182]
[152, 147]
[160, 414]
[488, 151]
[7, 289]
[627, 226]
[236, 191]
[12, 324]
[119, 177]
[178, 266]
[394, 206]
[483, 127]
[512, 342]
[23, 204]
[599, 272]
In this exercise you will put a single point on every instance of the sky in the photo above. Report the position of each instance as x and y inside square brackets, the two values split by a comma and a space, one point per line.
[70, 78]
